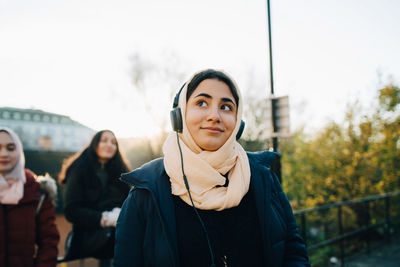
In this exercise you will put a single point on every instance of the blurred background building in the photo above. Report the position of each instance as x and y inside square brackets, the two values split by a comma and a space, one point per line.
[45, 131]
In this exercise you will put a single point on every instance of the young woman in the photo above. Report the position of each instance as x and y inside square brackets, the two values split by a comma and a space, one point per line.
[94, 194]
[241, 215]
[28, 233]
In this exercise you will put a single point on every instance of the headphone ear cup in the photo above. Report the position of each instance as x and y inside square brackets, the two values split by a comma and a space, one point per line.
[241, 129]
[176, 120]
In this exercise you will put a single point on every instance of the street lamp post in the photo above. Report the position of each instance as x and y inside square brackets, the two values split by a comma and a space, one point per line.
[271, 75]
[276, 165]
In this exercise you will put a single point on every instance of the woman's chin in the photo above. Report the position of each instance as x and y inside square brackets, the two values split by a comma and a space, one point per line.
[211, 146]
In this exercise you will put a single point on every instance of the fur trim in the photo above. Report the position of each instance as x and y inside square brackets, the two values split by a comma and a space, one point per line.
[48, 186]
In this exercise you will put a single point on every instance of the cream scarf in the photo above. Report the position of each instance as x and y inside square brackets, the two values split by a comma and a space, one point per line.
[12, 183]
[205, 169]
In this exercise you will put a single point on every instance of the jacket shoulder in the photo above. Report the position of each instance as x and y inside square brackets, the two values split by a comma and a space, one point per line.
[271, 160]
[30, 176]
[31, 188]
[30, 182]
[146, 174]
[266, 158]
[38, 185]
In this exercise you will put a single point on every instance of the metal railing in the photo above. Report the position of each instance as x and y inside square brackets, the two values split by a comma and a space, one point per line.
[364, 211]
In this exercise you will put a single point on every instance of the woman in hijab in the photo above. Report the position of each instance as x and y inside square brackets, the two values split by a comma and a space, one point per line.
[28, 233]
[207, 202]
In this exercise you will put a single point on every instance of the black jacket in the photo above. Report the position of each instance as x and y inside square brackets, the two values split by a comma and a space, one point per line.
[146, 228]
[86, 198]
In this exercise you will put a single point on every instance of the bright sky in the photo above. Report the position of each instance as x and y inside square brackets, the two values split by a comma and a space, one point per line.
[71, 57]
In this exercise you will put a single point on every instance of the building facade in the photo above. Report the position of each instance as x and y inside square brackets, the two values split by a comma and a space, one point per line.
[45, 131]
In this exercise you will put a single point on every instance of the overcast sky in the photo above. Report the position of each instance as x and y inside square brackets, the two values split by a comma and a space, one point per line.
[71, 56]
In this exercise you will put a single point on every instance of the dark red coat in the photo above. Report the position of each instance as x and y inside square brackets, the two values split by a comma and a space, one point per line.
[21, 229]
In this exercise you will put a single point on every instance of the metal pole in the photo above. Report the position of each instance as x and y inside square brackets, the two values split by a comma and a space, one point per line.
[271, 75]
[387, 208]
[303, 227]
[367, 224]
[342, 252]
[271, 72]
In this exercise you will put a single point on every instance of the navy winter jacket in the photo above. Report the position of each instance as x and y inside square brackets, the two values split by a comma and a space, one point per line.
[146, 228]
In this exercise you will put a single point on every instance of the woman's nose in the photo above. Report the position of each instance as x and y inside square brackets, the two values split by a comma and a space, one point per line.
[214, 114]
[3, 151]
[109, 144]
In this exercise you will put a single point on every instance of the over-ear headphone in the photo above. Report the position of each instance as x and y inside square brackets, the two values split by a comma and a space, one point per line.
[176, 116]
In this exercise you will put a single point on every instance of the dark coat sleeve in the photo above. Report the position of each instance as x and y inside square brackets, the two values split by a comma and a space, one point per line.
[76, 207]
[129, 236]
[295, 254]
[47, 235]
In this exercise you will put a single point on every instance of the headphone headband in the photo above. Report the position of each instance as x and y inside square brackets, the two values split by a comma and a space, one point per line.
[176, 98]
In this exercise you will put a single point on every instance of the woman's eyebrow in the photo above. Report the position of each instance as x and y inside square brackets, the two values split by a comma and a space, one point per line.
[226, 99]
[223, 99]
[203, 94]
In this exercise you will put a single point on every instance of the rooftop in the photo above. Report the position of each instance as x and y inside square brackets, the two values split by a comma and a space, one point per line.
[35, 115]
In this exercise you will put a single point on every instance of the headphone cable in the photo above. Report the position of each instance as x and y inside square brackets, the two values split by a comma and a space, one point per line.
[195, 210]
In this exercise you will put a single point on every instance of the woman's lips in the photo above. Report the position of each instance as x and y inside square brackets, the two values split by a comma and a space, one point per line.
[4, 162]
[213, 129]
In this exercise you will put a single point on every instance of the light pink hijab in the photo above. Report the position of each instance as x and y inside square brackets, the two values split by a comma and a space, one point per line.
[12, 184]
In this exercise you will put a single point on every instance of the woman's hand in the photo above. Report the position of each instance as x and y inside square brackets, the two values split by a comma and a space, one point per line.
[109, 218]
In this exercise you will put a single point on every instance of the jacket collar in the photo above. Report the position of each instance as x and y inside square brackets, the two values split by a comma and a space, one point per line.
[31, 189]
[145, 176]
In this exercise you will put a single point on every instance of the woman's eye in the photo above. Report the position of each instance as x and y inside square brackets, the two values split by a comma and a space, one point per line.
[202, 103]
[226, 107]
[11, 148]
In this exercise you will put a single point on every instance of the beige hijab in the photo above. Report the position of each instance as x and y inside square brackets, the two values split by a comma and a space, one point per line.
[12, 184]
[205, 169]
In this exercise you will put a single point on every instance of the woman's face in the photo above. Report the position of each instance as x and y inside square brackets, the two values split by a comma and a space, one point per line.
[211, 114]
[107, 147]
[8, 153]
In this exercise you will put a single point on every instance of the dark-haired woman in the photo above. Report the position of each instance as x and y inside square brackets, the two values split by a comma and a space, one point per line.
[93, 193]
[207, 202]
